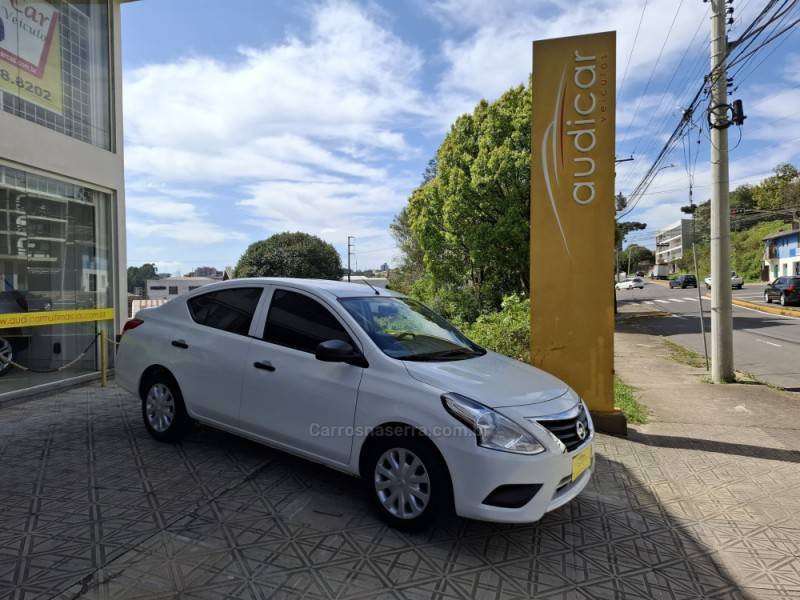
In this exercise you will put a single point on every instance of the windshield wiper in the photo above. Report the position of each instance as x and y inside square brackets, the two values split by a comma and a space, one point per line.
[442, 355]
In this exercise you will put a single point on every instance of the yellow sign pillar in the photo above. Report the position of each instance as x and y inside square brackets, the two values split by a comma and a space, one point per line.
[572, 217]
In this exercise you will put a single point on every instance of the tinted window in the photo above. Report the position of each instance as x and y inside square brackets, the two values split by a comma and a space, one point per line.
[230, 310]
[297, 321]
[158, 287]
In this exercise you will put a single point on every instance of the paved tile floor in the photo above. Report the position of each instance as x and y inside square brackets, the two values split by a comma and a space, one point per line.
[91, 507]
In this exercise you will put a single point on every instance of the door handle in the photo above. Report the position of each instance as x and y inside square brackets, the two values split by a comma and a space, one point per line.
[180, 344]
[265, 365]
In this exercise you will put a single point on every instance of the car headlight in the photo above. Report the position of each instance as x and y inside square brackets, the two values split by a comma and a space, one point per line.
[493, 430]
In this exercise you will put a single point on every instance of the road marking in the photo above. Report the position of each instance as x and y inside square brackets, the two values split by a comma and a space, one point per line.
[662, 301]
[649, 302]
[770, 343]
[675, 300]
[690, 298]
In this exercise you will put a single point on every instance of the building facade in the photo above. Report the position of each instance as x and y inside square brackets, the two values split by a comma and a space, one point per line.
[782, 254]
[672, 242]
[167, 288]
[62, 203]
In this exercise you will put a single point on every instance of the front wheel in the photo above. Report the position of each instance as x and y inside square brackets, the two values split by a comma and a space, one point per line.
[163, 410]
[7, 354]
[408, 481]
[767, 299]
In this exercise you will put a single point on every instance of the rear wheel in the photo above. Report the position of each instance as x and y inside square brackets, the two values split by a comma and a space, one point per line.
[783, 299]
[163, 410]
[407, 480]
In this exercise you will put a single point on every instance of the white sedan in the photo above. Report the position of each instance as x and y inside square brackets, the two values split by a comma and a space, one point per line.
[629, 284]
[366, 381]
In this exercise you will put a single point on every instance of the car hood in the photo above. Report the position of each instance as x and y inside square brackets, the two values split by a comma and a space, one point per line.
[493, 380]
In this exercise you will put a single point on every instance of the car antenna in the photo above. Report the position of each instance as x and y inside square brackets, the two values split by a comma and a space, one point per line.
[374, 289]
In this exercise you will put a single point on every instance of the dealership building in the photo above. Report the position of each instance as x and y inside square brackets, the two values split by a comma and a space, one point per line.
[62, 203]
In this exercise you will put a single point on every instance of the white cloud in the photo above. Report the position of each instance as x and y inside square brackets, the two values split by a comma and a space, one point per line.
[162, 217]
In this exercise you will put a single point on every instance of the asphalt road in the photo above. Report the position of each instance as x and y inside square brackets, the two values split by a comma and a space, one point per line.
[765, 345]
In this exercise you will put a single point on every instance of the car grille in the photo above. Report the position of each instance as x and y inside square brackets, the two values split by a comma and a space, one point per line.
[566, 429]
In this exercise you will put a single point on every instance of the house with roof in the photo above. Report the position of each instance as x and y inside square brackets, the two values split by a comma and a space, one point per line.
[782, 253]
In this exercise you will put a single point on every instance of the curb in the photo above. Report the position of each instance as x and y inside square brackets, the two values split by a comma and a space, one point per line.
[773, 310]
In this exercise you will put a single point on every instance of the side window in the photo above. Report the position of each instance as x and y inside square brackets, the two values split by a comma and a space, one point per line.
[298, 322]
[230, 310]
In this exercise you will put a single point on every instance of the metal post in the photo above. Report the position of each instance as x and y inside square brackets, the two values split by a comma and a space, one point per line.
[697, 274]
[349, 237]
[103, 357]
[721, 303]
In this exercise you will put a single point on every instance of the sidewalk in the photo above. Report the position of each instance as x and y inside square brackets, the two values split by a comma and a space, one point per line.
[735, 475]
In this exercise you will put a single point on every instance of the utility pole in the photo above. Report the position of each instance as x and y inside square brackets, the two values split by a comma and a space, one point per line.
[349, 237]
[721, 305]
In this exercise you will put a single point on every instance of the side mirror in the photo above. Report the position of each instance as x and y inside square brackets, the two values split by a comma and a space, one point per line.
[339, 351]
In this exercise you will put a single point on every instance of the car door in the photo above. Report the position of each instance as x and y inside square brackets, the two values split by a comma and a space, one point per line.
[290, 397]
[775, 289]
[209, 351]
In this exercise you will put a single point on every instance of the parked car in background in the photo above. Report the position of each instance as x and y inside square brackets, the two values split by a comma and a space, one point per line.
[629, 284]
[683, 282]
[736, 281]
[785, 290]
[366, 381]
[13, 340]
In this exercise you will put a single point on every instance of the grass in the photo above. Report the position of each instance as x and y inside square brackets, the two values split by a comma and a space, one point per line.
[685, 356]
[625, 400]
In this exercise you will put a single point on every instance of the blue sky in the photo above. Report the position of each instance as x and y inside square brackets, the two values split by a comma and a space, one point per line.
[249, 117]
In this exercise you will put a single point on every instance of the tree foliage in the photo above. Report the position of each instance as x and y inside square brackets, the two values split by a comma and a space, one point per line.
[641, 258]
[780, 190]
[138, 276]
[465, 229]
[290, 255]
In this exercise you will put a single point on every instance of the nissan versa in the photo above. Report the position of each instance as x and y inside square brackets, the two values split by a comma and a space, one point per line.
[366, 381]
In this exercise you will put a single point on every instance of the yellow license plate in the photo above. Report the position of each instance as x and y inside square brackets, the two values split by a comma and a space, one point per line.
[581, 461]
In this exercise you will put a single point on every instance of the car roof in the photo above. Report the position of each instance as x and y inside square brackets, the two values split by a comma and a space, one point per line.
[328, 287]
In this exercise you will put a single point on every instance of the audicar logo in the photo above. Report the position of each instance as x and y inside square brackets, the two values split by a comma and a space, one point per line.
[584, 140]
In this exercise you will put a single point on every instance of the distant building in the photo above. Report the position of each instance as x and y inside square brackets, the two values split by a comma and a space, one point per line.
[782, 254]
[165, 289]
[211, 272]
[672, 242]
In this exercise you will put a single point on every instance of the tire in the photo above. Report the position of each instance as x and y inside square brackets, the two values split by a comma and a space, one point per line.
[163, 410]
[7, 351]
[783, 299]
[434, 492]
[767, 299]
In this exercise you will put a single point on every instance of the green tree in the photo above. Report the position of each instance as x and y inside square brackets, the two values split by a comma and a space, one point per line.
[776, 192]
[641, 258]
[470, 217]
[138, 276]
[290, 255]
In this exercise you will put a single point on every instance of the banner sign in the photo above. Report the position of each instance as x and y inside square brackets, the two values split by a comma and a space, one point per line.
[30, 52]
[572, 213]
[55, 317]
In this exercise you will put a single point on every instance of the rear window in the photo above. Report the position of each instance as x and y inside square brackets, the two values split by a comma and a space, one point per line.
[229, 310]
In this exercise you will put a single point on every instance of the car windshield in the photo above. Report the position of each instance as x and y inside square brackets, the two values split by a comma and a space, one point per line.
[408, 330]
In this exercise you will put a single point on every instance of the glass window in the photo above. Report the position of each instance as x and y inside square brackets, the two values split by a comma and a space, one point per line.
[173, 290]
[408, 330]
[56, 254]
[158, 287]
[54, 66]
[230, 310]
[297, 321]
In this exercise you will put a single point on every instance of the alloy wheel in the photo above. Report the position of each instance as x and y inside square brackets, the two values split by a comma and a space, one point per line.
[402, 483]
[160, 407]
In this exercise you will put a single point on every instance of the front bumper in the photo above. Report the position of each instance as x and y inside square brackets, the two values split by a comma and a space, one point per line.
[479, 471]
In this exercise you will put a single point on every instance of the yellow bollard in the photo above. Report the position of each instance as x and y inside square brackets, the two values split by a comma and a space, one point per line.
[103, 358]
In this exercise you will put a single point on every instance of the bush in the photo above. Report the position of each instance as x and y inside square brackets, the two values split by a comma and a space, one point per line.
[507, 331]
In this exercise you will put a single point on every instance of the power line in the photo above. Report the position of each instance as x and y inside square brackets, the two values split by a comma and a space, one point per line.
[635, 39]
[655, 66]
